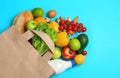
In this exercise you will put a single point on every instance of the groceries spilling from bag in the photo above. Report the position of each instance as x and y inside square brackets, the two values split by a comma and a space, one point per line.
[68, 35]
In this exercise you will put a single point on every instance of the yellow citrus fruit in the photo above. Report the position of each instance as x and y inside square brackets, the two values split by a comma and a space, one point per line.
[79, 59]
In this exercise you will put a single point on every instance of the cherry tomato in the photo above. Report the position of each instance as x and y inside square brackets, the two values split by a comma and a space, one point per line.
[80, 24]
[61, 27]
[72, 23]
[62, 22]
[74, 28]
[84, 29]
[84, 53]
[69, 28]
[78, 30]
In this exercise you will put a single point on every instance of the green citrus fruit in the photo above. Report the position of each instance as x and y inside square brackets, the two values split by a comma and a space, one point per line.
[38, 12]
[74, 44]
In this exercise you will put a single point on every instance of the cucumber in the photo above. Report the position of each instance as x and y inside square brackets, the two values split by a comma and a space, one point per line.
[83, 38]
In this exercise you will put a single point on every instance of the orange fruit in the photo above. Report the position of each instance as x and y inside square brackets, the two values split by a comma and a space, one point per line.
[79, 59]
[40, 19]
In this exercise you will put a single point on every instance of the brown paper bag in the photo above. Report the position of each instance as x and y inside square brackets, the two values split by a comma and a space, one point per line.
[19, 59]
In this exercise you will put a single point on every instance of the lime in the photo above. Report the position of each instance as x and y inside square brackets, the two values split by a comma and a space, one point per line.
[38, 12]
[74, 44]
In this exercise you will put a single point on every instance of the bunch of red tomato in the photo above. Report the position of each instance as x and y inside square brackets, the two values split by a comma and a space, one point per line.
[71, 27]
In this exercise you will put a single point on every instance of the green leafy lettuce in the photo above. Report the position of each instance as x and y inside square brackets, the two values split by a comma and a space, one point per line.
[38, 43]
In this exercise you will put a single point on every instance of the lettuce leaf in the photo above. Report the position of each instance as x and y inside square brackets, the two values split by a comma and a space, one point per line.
[38, 43]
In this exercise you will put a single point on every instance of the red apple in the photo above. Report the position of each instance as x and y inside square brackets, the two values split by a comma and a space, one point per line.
[67, 53]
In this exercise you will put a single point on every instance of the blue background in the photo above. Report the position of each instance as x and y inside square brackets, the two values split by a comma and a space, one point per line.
[102, 19]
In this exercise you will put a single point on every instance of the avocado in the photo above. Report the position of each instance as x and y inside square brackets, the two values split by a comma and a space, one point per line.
[83, 38]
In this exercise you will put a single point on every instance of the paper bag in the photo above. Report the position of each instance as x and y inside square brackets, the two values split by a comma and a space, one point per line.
[19, 59]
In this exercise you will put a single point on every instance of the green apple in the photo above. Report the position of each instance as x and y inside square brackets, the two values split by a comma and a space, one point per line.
[31, 25]
[57, 53]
